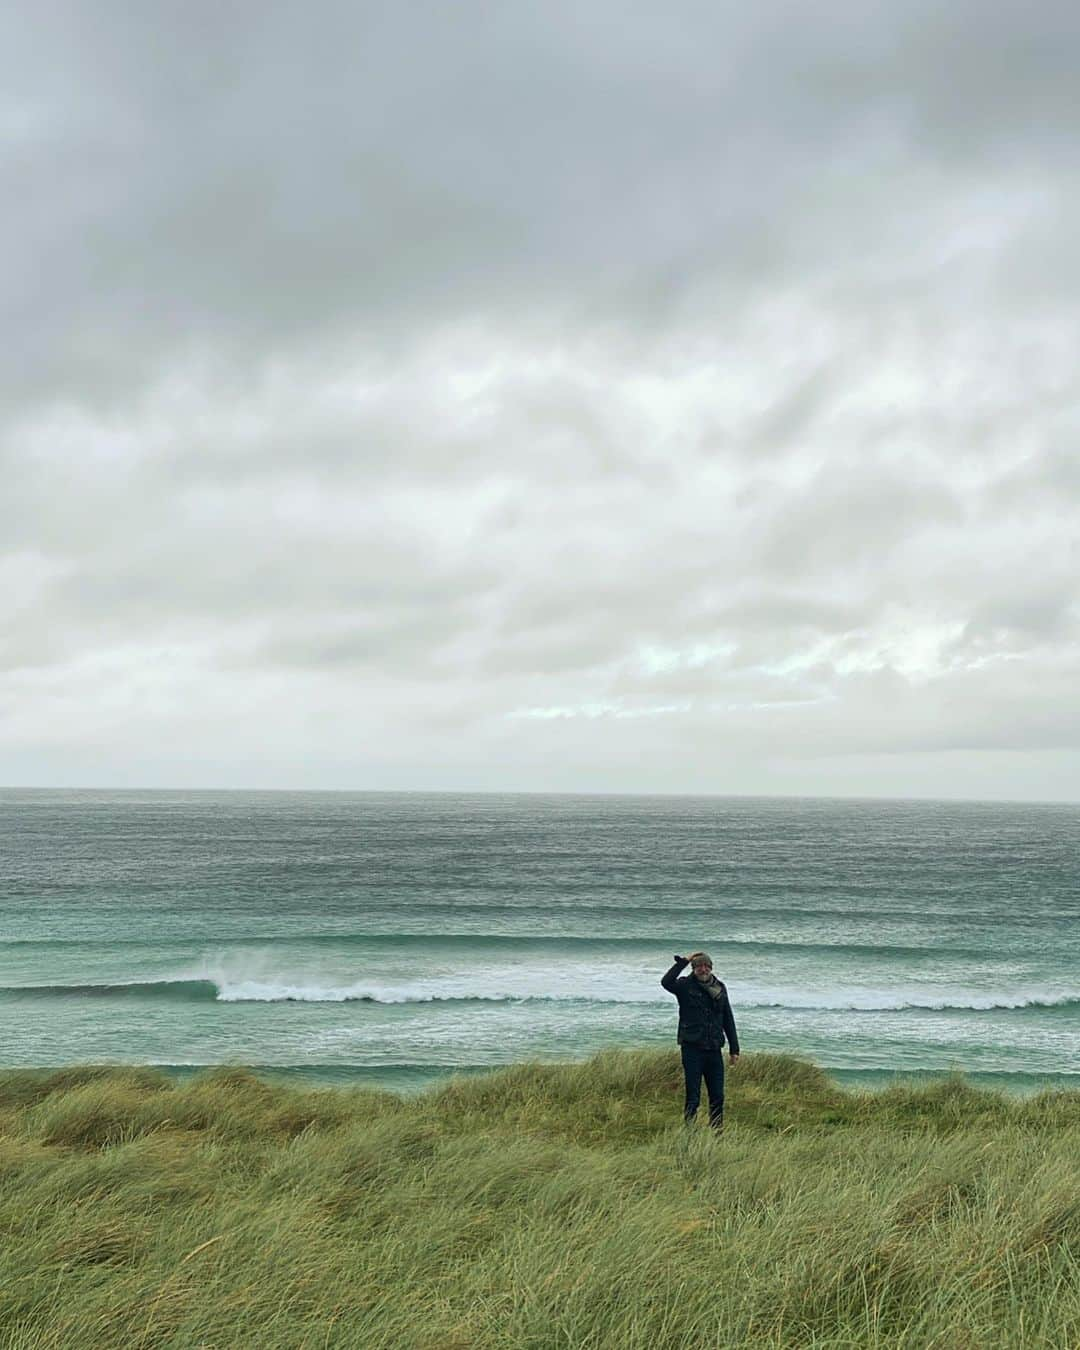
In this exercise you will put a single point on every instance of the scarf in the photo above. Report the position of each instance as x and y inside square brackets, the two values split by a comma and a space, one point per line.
[712, 984]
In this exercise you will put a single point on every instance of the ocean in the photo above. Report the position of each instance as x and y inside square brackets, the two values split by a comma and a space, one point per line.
[394, 938]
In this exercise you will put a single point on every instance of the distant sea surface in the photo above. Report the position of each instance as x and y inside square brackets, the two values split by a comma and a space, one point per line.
[394, 938]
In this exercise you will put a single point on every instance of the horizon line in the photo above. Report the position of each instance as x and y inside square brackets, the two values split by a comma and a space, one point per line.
[553, 792]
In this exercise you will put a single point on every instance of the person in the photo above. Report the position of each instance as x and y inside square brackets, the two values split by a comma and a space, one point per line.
[705, 1021]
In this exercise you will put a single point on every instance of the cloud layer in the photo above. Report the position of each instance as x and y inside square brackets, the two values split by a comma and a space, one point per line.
[683, 400]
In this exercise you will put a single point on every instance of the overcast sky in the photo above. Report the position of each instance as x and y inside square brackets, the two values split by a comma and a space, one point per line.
[565, 396]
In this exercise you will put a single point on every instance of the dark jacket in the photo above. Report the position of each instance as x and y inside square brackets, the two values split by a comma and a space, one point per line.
[703, 1020]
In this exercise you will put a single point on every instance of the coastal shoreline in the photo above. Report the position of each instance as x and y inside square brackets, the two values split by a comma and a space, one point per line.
[411, 1079]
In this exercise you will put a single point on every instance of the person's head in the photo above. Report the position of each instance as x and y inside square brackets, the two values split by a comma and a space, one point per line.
[701, 964]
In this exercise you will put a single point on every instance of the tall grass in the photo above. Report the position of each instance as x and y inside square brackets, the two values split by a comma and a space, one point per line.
[538, 1206]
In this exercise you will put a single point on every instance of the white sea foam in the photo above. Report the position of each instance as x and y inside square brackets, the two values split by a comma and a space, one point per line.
[264, 977]
[795, 1000]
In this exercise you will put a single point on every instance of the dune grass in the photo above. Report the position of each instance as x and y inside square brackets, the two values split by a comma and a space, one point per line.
[538, 1206]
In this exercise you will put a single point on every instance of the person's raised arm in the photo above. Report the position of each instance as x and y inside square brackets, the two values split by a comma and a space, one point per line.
[668, 980]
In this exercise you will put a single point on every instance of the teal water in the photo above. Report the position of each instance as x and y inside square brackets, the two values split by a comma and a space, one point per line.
[394, 938]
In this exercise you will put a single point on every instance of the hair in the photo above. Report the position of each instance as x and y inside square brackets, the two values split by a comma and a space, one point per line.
[700, 956]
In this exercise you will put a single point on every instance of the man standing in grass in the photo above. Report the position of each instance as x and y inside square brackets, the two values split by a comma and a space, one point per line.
[705, 1021]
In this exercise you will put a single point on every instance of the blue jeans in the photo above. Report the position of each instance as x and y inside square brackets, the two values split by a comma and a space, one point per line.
[698, 1063]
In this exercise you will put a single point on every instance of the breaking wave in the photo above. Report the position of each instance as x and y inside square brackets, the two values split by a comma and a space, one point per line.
[223, 990]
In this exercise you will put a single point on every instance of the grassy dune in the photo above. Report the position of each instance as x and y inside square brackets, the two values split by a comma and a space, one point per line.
[535, 1207]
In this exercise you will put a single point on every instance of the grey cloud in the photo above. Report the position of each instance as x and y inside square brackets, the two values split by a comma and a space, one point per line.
[851, 516]
[263, 176]
[1034, 612]
[645, 387]
[791, 417]
[1047, 478]
[386, 640]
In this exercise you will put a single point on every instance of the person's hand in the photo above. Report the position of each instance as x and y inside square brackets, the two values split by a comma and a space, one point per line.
[733, 1059]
